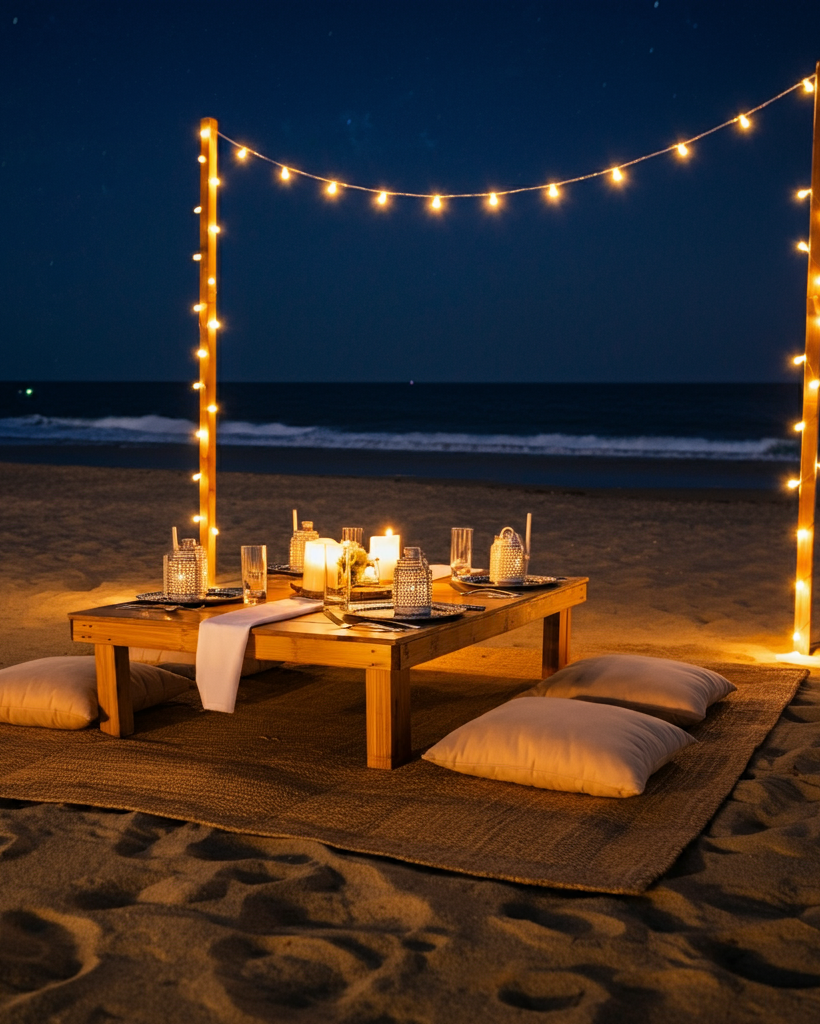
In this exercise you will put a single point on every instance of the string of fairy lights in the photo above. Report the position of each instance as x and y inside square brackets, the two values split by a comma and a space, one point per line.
[552, 189]
[435, 202]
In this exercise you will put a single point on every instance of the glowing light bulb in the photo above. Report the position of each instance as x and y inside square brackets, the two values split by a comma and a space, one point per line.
[198, 519]
[798, 360]
[803, 534]
[205, 133]
[201, 433]
[199, 306]
[808, 85]
[202, 159]
[198, 386]
[211, 408]
[682, 150]
[792, 484]
[214, 531]
[202, 353]
[214, 181]
[214, 324]
[197, 209]
[796, 637]
[331, 189]
[803, 246]
[382, 198]
[814, 384]
[552, 191]
[436, 203]
[493, 200]
[617, 174]
[803, 193]
[800, 585]
[197, 257]
[800, 426]
[214, 229]
[196, 476]
[285, 174]
[211, 280]
[744, 122]
[242, 153]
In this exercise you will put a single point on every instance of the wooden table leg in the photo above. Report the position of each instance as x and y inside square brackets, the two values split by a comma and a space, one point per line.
[114, 690]
[388, 717]
[555, 650]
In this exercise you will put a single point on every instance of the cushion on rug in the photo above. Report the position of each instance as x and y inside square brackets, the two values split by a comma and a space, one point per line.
[671, 690]
[562, 744]
[61, 693]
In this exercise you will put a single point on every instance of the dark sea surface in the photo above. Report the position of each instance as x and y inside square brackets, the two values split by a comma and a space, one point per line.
[578, 435]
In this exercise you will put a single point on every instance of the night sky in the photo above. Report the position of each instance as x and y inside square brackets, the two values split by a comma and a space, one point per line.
[686, 273]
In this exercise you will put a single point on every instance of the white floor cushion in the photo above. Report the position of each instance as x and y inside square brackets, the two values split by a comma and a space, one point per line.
[61, 693]
[673, 690]
[562, 744]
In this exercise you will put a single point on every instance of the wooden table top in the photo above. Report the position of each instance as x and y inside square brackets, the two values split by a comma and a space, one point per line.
[153, 619]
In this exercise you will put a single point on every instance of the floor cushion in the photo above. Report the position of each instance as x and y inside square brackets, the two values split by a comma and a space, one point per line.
[562, 744]
[672, 690]
[61, 693]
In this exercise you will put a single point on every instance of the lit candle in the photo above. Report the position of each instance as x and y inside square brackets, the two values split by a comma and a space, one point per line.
[387, 549]
[313, 577]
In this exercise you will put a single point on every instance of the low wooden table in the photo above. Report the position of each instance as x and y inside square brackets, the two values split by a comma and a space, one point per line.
[312, 639]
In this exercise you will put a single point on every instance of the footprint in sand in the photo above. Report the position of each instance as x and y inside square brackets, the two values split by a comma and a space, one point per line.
[548, 991]
[37, 952]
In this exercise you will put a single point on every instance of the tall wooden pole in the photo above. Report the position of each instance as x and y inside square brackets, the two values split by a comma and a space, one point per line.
[811, 382]
[208, 324]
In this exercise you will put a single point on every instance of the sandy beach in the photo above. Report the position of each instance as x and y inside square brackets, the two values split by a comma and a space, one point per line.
[110, 915]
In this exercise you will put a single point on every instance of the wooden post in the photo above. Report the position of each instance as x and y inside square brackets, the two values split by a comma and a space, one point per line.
[811, 376]
[208, 232]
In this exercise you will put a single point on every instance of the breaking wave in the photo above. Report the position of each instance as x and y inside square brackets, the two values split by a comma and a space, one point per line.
[141, 430]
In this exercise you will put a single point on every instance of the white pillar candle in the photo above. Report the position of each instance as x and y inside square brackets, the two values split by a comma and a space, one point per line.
[388, 551]
[313, 577]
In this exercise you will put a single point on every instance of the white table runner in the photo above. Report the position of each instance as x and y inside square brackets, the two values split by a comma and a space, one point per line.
[221, 645]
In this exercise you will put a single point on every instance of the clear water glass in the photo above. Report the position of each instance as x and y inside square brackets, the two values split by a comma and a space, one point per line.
[254, 573]
[461, 550]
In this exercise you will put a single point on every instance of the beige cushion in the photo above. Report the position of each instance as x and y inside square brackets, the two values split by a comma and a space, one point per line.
[61, 693]
[562, 744]
[672, 690]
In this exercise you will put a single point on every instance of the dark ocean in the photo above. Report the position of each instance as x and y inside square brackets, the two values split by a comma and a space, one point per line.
[564, 435]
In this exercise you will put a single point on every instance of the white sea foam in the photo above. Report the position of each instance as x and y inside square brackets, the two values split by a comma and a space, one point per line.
[164, 430]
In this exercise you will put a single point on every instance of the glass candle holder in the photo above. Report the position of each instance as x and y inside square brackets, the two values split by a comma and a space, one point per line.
[412, 585]
[185, 572]
[296, 557]
[508, 560]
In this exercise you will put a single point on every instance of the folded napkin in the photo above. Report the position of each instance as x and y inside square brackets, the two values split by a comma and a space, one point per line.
[441, 572]
[221, 645]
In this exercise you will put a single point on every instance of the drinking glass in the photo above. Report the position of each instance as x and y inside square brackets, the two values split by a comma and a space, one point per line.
[461, 551]
[337, 576]
[254, 573]
[353, 533]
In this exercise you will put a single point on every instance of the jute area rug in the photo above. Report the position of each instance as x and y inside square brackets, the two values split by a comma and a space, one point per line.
[291, 762]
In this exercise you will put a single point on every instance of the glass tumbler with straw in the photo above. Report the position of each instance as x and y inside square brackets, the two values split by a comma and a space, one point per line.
[254, 573]
[461, 551]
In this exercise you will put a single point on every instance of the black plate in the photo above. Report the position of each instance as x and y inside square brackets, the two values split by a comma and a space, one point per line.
[216, 595]
[530, 582]
[383, 611]
[283, 570]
